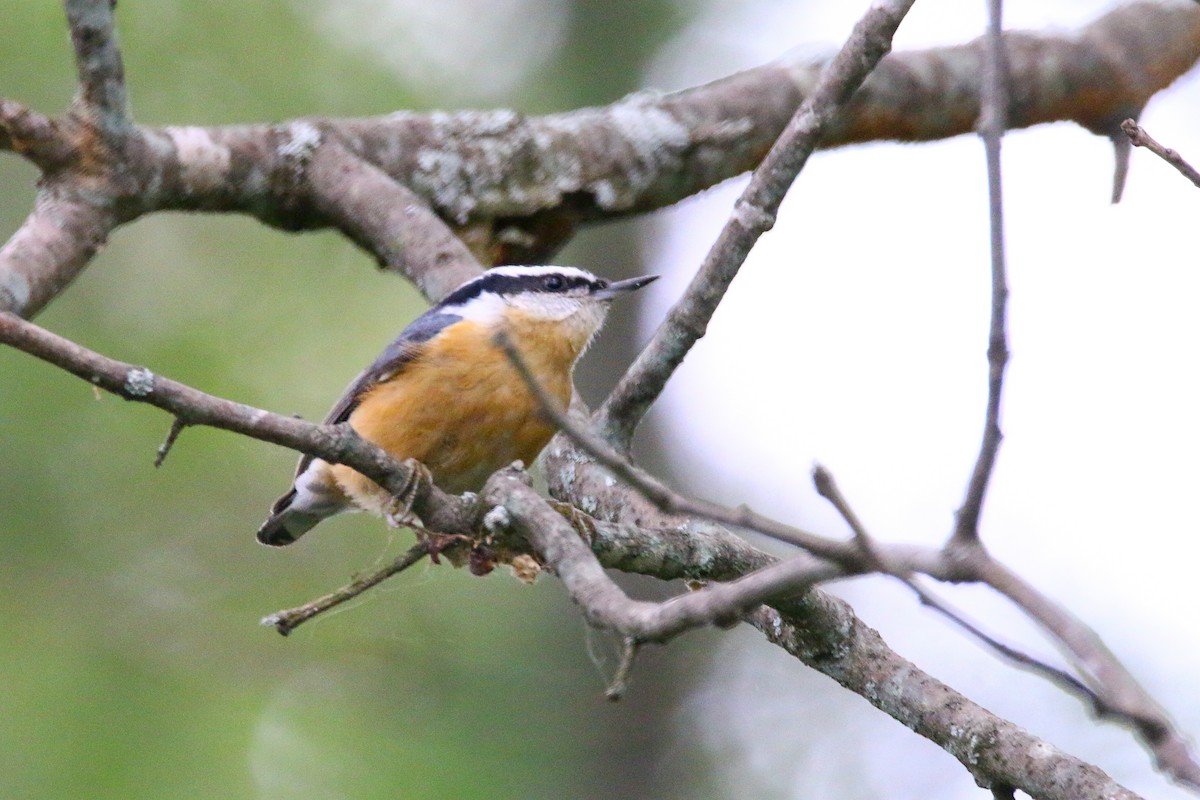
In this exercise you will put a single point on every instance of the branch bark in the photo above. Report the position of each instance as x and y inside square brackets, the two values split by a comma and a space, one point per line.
[820, 630]
[522, 184]
[526, 183]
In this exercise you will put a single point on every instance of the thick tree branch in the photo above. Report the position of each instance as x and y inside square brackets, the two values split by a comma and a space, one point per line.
[992, 749]
[51, 248]
[387, 219]
[521, 185]
[32, 135]
[650, 150]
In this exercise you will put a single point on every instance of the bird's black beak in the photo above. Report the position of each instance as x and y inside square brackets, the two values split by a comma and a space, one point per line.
[623, 287]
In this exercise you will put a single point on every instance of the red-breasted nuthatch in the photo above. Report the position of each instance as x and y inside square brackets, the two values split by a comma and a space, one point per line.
[445, 394]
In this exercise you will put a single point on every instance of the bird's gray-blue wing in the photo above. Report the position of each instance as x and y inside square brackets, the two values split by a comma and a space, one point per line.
[390, 363]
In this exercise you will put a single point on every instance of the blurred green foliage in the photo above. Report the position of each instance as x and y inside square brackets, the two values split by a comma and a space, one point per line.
[131, 659]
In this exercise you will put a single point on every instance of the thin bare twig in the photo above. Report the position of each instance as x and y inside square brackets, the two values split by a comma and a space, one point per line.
[827, 487]
[1121, 697]
[289, 619]
[620, 682]
[992, 119]
[1061, 678]
[606, 606]
[657, 492]
[160, 455]
[1139, 138]
[754, 214]
[872, 559]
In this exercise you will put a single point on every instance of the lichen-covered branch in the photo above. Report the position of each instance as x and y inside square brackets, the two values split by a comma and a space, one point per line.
[520, 185]
[387, 219]
[992, 749]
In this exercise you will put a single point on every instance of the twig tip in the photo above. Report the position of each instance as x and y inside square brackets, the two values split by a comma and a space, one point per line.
[278, 622]
[160, 455]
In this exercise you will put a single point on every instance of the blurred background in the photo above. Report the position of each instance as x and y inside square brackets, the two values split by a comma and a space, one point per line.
[131, 660]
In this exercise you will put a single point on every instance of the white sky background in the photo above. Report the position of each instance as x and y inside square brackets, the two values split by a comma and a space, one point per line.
[855, 336]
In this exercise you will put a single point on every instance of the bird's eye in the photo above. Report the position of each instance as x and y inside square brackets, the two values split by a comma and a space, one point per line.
[554, 283]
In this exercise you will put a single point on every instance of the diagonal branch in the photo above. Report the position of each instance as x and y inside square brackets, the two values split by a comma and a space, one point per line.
[1111, 690]
[387, 219]
[1137, 135]
[1119, 694]
[655, 490]
[754, 214]
[32, 135]
[992, 749]
[827, 487]
[50, 249]
[102, 94]
[289, 619]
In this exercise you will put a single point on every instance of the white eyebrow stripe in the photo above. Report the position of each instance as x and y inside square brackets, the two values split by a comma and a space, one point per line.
[522, 270]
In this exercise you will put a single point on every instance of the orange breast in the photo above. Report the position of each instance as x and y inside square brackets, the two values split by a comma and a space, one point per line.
[461, 409]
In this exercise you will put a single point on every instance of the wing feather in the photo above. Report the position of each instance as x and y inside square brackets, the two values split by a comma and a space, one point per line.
[390, 363]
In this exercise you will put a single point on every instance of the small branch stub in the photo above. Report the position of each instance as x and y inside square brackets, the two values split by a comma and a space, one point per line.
[160, 455]
[620, 681]
[1139, 138]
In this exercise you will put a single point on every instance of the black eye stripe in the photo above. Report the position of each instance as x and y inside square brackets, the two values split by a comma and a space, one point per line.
[515, 284]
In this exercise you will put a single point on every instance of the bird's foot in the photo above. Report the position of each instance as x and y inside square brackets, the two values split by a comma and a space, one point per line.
[399, 512]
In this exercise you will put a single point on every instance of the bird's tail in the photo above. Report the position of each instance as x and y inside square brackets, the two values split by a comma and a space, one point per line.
[313, 497]
[286, 526]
